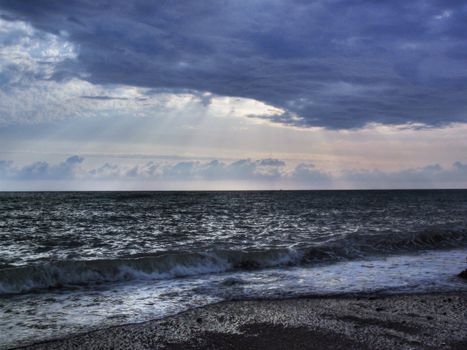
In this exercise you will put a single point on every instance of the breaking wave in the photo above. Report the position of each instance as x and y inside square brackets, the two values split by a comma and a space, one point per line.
[56, 274]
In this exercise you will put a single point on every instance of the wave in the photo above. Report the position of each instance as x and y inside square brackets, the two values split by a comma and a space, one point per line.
[363, 245]
[56, 274]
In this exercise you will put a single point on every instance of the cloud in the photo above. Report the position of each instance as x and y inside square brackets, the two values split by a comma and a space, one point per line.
[27, 55]
[41, 170]
[430, 176]
[337, 64]
[214, 170]
[39, 83]
[271, 173]
[307, 173]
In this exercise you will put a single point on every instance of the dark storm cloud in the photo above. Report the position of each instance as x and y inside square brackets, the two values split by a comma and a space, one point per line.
[338, 64]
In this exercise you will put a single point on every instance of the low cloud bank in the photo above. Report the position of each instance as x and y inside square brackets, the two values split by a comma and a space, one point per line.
[268, 172]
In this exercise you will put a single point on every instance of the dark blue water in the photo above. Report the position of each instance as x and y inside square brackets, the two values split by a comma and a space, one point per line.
[77, 261]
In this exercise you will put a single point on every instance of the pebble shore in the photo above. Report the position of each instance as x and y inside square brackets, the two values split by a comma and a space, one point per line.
[427, 321]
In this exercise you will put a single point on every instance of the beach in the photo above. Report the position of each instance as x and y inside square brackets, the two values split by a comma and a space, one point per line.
[285, 269]
[233, 174]
[411, 321]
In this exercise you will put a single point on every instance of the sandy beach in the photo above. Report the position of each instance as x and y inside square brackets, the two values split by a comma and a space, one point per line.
[423, 321]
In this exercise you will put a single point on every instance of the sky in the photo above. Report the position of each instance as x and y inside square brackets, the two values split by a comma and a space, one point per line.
[233, 94]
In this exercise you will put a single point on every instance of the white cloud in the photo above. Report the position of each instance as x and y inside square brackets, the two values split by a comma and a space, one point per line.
[28, 55]
[41, 170]
[272, 173]
[34, 87]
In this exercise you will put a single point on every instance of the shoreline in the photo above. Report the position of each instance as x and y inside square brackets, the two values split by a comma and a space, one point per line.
[347, 321]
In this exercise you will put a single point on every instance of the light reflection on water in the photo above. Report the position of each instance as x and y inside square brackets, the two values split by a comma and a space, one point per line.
[31, 317]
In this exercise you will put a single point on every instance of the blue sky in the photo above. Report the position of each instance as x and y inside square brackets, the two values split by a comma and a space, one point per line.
[233, 94]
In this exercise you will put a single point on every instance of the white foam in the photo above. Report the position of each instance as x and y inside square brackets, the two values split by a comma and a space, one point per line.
[86, 308]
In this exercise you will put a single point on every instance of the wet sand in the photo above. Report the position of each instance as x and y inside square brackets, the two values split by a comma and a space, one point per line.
[426, 321]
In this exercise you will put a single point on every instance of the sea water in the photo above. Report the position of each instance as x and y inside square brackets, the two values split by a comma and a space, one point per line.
[74, 262]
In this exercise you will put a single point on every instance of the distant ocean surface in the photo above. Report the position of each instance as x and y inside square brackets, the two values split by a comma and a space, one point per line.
[73, 262]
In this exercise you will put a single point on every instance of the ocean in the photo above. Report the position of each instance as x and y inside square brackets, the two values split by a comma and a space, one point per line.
[76, 261]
